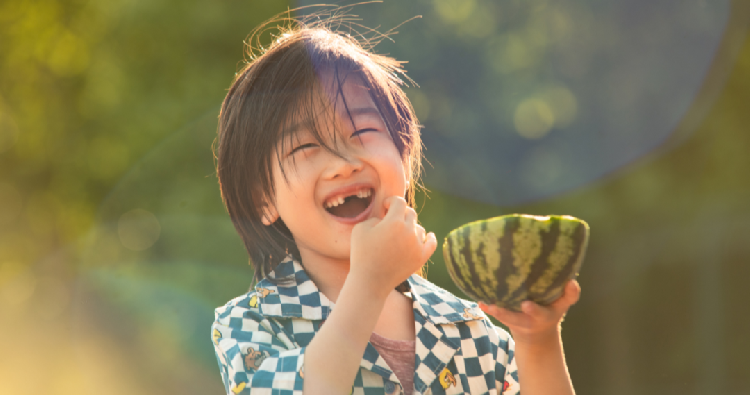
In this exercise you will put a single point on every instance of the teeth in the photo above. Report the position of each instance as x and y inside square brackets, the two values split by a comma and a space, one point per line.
[339, 200]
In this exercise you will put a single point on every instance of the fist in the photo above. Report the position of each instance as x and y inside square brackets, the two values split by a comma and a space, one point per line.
[387, 251]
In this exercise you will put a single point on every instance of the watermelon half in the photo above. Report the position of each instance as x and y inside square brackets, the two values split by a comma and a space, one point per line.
[508, 259]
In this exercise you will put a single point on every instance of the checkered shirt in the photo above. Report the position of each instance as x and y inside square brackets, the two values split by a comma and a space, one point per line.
[260, 340]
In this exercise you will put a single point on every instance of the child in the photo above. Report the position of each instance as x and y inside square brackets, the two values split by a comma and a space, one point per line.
[318, 157]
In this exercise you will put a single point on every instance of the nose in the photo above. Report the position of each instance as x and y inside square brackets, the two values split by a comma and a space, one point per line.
[343, 166]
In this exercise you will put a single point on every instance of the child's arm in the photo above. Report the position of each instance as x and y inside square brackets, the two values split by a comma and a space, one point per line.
[538, 347]
[255, 352]
[333, 356]
[383, 254]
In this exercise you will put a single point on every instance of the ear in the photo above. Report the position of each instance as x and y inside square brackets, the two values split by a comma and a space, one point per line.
[270, 215]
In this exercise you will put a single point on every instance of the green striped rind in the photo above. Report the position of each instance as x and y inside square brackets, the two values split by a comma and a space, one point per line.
[506, 260]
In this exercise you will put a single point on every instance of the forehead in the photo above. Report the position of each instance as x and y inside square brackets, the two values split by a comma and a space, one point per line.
[342, 93]
[342, 98]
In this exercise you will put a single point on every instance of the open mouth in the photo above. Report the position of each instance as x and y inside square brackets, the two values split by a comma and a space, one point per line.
[351, 205]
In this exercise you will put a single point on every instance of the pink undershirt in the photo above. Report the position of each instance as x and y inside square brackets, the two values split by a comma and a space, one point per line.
[399, 355]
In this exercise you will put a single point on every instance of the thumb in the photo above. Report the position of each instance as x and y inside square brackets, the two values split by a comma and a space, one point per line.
[394, 207]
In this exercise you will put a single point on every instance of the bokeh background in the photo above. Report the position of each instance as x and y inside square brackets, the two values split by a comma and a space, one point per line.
[632, 115]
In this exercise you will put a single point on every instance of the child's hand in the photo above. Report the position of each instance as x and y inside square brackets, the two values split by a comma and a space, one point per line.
[536, 323]
[387, 251]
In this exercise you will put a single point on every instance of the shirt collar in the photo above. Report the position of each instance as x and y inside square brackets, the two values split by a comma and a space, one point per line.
[295, 295]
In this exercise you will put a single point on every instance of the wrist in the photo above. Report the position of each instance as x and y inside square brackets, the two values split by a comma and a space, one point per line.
[367, 285]
[538, 341]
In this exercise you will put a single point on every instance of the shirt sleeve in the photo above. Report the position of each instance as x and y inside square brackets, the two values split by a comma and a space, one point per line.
[255, 355]
[506, 371]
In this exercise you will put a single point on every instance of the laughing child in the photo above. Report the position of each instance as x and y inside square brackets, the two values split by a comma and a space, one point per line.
[318, 157]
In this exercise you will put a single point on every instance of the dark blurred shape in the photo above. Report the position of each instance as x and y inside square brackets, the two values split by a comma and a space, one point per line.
[525, 100]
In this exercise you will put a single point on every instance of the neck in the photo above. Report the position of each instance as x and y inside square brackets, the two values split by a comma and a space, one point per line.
[327, 273]
[329, 276]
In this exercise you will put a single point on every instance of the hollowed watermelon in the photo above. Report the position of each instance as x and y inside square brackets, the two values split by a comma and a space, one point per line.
[508, 259]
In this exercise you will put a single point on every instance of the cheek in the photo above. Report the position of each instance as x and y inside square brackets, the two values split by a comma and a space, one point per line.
[287, 187]
[398, 171]
[301, 186]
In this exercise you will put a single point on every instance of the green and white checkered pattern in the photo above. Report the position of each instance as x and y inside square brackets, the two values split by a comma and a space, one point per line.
[260, 341]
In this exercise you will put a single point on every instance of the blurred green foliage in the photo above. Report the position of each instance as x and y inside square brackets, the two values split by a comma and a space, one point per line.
[114, 246]
[88, 87]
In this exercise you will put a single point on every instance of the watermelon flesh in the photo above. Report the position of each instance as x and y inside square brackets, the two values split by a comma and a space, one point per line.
[508, 259]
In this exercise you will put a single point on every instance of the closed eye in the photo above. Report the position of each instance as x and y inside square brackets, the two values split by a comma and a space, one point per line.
[362, 131]
[302, 147]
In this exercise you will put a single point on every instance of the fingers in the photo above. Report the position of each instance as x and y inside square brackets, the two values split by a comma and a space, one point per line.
[394, 207]
[508, 317]
[411, 215]
[429, 246]
[573, 290]
[398, 210]
[534, 318]
[571, 294]
[421, 233]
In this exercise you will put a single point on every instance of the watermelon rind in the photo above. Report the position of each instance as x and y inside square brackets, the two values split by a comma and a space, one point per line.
[511, 258]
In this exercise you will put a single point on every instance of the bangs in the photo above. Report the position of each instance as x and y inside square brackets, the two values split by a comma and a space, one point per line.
[313, 111]
[308, 69]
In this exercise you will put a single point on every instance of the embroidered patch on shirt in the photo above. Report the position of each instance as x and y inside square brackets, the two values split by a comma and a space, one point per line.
[446, 378]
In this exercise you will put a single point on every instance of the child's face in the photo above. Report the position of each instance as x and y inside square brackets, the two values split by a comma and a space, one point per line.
[318, 180]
